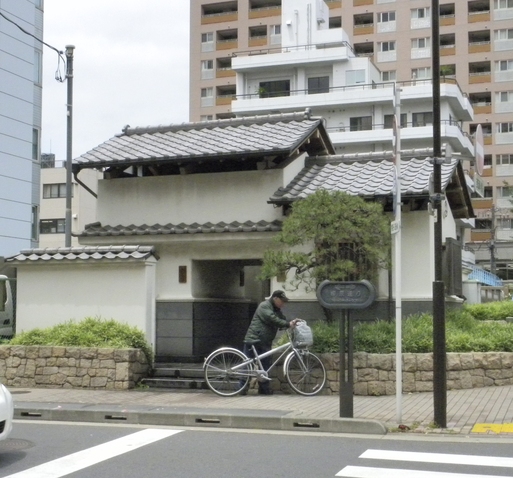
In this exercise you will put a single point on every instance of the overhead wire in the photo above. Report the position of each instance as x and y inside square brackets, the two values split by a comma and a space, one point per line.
[58, 76]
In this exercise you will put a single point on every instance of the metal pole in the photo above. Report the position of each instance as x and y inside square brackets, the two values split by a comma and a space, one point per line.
[398, 257]
[69, 137]
[439, 348]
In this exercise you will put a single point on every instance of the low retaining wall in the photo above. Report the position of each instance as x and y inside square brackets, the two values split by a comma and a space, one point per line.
[71, 367]
[374, 374]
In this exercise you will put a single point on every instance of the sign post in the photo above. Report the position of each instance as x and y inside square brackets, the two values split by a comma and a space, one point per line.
[345, 296]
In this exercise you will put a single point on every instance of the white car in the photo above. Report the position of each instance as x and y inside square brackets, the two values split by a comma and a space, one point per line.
[6, 412]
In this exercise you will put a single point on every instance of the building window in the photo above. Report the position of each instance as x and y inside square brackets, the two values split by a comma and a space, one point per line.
[51, 226]
[275, 29]
[505, 127]
[504, 65]
[421, 73]
[422, 119]
[207, 42]
[504, 159]
[207, 96]
[389, 121]
[387, 46]
[272, 89]
[488, 192]
[505, 191]
[318, 84]
[355, 77]
[500, 4]
[420, 13]
[504, 34]
[206, 117]
[385, 17]
[207, 69]
[57, 190]
[389, 75]
[505, 96]
[38, 73]
[33, 224]
[35, 144]
[360, 123]
[505, 223]
[420, 43]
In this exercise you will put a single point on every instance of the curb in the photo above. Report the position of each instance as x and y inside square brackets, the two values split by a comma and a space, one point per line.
[197, 418]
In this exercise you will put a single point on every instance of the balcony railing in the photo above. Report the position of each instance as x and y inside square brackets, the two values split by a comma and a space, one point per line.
[279, 49]
[351, 88]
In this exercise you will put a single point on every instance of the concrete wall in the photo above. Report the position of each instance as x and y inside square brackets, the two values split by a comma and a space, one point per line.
[50, 294]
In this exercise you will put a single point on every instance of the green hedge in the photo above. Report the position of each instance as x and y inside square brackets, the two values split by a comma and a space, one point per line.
[466, 331]
[90, 332]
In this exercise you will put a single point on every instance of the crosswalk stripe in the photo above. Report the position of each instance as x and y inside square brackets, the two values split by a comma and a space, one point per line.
[496, 461]
[77, 461]
[368, 472]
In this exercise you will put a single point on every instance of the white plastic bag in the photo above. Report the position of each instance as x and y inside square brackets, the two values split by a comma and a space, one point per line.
[303, 336]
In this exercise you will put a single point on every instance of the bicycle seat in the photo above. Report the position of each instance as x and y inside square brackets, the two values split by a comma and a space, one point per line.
[252, 342]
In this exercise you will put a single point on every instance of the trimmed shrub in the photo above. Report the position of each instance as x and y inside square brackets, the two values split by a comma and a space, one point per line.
[90, 332]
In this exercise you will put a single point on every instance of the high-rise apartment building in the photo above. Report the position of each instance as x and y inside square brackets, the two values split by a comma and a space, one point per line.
[21, 33]
[476, 48]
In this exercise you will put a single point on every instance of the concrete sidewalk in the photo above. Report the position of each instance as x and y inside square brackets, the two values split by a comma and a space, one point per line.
[469, 412]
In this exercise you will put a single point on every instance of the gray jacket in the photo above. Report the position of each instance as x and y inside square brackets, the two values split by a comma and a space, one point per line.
[265, 323]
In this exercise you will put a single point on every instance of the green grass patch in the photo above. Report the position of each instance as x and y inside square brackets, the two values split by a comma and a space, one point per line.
[90, 332]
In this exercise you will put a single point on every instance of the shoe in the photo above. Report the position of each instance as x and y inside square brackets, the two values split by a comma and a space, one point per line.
[265, 392]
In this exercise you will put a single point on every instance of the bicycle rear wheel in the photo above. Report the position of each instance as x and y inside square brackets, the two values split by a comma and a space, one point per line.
[219, 373]
[305, 372]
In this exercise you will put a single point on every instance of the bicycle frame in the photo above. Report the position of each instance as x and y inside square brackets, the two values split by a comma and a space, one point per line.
[256, 360]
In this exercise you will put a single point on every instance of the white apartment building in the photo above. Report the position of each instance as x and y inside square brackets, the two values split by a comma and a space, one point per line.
[476, 50]
[20, 122]
[53, 203]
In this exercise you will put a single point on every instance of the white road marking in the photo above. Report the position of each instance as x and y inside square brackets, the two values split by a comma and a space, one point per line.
[497, 461]
[82, 459]
[367, 472]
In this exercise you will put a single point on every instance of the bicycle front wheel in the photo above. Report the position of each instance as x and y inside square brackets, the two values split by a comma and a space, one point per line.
[305, 372]
[220, 375]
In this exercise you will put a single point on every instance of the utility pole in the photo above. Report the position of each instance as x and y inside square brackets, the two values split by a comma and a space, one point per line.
[439, 347]
[69, 137]
[493, 267]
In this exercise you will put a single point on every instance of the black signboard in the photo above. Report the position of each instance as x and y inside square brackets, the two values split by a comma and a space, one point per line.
[346, 295]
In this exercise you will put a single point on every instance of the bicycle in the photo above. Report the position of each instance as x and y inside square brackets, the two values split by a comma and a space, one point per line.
[228, 371]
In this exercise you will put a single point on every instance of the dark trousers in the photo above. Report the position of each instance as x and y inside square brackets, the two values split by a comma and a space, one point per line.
[265, 385]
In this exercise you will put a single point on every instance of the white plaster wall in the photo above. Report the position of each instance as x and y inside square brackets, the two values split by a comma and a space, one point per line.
[52, 294]
[234, 196]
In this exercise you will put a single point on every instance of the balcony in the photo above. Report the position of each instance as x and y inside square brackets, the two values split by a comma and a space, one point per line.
[478, 11]
[219, 12]
[363, 24]
[264, 8]
[481, 102]
[257, 36]
[477, 235]
[479, 42]
[479, 72]
[227, 40]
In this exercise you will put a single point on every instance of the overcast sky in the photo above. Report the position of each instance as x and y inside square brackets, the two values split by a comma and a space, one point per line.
[131, 66]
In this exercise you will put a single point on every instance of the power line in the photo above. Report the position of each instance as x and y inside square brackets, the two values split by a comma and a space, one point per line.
[58, 75]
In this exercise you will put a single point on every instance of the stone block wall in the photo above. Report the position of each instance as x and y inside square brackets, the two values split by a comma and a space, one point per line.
[374, 374]
[72, 367]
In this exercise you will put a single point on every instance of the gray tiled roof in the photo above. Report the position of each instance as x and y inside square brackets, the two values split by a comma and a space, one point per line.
[96, 229]
[238, 137]
[364, 178]
[84, 253]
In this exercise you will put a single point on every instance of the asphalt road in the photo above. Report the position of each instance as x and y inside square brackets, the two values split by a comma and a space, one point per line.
[53, 450]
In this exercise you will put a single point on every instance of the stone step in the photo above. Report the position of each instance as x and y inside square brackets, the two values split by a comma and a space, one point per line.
[174, 383]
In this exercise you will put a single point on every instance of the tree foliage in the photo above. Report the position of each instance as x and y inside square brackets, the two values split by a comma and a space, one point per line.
[333, 236]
